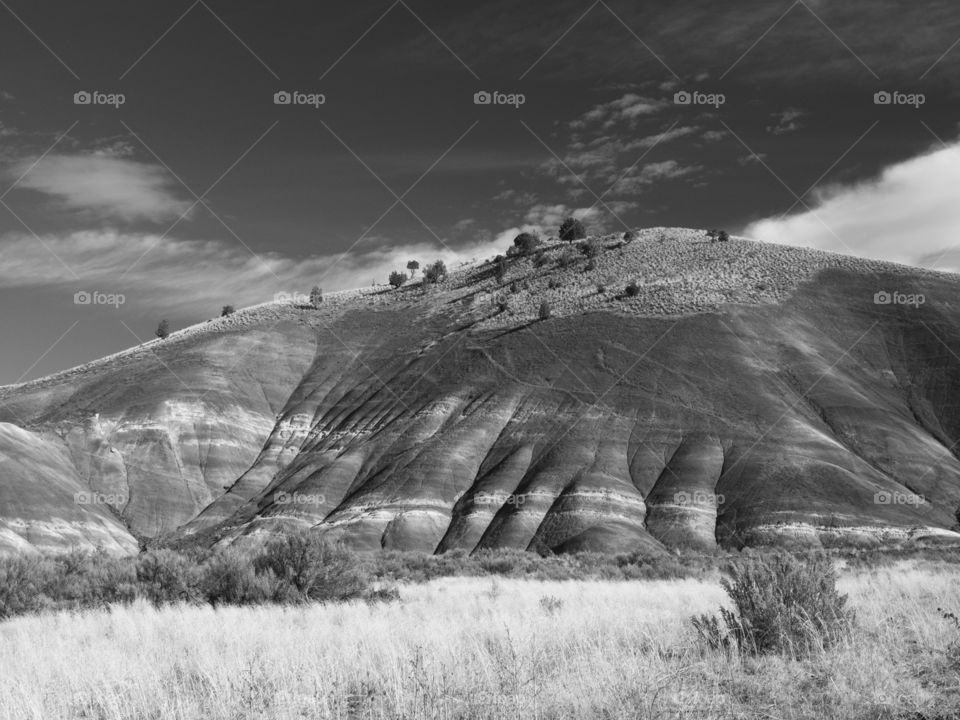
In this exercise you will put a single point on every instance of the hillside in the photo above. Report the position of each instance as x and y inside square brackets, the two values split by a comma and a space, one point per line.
[745, 394]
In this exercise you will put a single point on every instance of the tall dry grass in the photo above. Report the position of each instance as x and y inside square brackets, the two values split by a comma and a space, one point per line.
[484, 648]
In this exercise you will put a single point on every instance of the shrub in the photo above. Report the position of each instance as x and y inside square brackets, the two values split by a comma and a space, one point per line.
[306, 567]
[163, 330]
[526, 243]
[226, 310]
[229, 578]
[413, 266]
[165, 576]
[436, 272]
[591, 248]
[633, 289]
[566, 259]
[629, 236]
[572, 229]
[21, 582]
[544, 312]
[722, 236]
[397, 279]
[551, 604]
[781, 604]
[499, 267]
[316, 295]
[81, 580]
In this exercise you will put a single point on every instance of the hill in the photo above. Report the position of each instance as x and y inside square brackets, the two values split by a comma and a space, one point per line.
[741, 394]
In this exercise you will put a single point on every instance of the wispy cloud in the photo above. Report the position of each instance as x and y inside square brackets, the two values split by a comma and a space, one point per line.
[105, 183]
[786, 122]
[627, 108]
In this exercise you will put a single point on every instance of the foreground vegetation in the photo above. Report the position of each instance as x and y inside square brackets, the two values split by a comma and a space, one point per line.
[295, 569]
[488, 647]
[302, 568]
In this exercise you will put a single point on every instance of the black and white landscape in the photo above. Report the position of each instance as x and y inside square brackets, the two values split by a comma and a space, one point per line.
[415, 360]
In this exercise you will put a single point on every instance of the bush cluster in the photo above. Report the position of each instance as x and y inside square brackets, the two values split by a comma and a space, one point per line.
[526, 243]
[292, 569]
[436, 272]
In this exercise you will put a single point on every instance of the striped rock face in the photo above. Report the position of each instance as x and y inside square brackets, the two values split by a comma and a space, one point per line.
[432, 421]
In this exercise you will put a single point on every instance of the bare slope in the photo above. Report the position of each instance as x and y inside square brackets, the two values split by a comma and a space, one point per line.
[747, 393]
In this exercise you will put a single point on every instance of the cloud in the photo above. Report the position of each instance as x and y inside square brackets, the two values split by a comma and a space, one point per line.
[636, 180]
[105, 183]
[786, 122]
[909, 214]
[628, 107]
[191, 276]
[603, 160]
[757, 158]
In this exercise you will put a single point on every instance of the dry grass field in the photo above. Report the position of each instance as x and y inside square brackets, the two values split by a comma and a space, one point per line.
[486, 648]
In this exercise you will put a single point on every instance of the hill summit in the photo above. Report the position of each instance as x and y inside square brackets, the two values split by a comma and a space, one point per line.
[601, 395]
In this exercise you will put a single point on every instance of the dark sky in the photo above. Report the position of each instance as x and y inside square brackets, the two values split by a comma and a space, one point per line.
[198, 190]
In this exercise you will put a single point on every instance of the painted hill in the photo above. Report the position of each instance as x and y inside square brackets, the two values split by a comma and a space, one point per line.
[742, 394]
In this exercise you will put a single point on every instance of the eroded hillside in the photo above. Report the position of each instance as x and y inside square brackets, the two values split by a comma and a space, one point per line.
[745, 393]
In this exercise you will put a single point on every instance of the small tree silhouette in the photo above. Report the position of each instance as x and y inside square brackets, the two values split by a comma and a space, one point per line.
[413, 266]
[572, 229]
[436, 272]
[163, 330]
[526, 243]
[397, 279]
[226, 310]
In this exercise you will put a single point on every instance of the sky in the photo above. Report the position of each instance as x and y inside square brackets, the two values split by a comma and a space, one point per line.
[150, 164]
